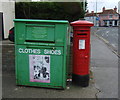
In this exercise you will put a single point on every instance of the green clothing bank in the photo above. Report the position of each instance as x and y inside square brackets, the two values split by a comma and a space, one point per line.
[42, 52]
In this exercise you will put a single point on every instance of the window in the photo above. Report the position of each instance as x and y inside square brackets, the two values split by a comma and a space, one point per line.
[110, 16]
[116, 15]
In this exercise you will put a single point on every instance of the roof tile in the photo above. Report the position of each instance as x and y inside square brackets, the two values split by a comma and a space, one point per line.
[108, 11]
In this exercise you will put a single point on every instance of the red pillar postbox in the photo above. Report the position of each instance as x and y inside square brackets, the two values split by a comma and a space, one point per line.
[81, 52]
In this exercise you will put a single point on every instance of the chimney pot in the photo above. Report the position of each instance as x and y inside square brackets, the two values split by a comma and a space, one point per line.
[103, 8]
[115, 9]
[92, 11]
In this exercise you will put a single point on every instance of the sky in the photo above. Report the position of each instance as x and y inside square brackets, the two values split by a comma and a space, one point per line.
[108, 4]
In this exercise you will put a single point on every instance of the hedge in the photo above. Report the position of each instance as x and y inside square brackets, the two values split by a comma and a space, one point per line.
[70, 11]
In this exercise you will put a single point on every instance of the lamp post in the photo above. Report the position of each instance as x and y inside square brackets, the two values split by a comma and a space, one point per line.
[96, 13]
[84, 4]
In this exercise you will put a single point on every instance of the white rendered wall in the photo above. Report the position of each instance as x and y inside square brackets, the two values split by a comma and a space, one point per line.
[8, 9]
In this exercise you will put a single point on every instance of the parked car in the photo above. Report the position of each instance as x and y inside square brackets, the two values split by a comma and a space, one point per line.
[11, 34]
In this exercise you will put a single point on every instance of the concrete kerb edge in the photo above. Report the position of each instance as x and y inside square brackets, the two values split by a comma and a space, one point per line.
[95, 85]
[92, 74]
[107, 42]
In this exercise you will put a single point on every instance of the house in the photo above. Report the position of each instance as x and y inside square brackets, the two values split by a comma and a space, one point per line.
[108, 17]
[119, 7]
[92, 17]
[7, 14]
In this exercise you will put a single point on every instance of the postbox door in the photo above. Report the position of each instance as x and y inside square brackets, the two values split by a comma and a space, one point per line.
[82, 54]
[83, 49]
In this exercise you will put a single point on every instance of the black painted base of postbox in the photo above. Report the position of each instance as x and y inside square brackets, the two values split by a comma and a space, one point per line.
[80, 80]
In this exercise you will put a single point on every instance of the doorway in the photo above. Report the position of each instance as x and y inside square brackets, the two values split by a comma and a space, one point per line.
[1, 28]
[116, 22]
[110, 23]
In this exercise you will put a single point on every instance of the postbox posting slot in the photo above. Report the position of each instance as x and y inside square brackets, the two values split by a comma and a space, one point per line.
[83, 30]
[82, 34]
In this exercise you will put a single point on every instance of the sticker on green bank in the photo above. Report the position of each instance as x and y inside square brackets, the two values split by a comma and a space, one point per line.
[39, 66]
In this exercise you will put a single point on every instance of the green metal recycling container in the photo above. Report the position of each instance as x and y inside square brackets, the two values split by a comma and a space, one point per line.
[41, 48]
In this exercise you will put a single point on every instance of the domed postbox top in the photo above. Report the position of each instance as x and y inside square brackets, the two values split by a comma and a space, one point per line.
[81, 23]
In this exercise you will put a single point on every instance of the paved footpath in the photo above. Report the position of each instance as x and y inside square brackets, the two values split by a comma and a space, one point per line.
[104, 85]
[10, 90]
[105, 69]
